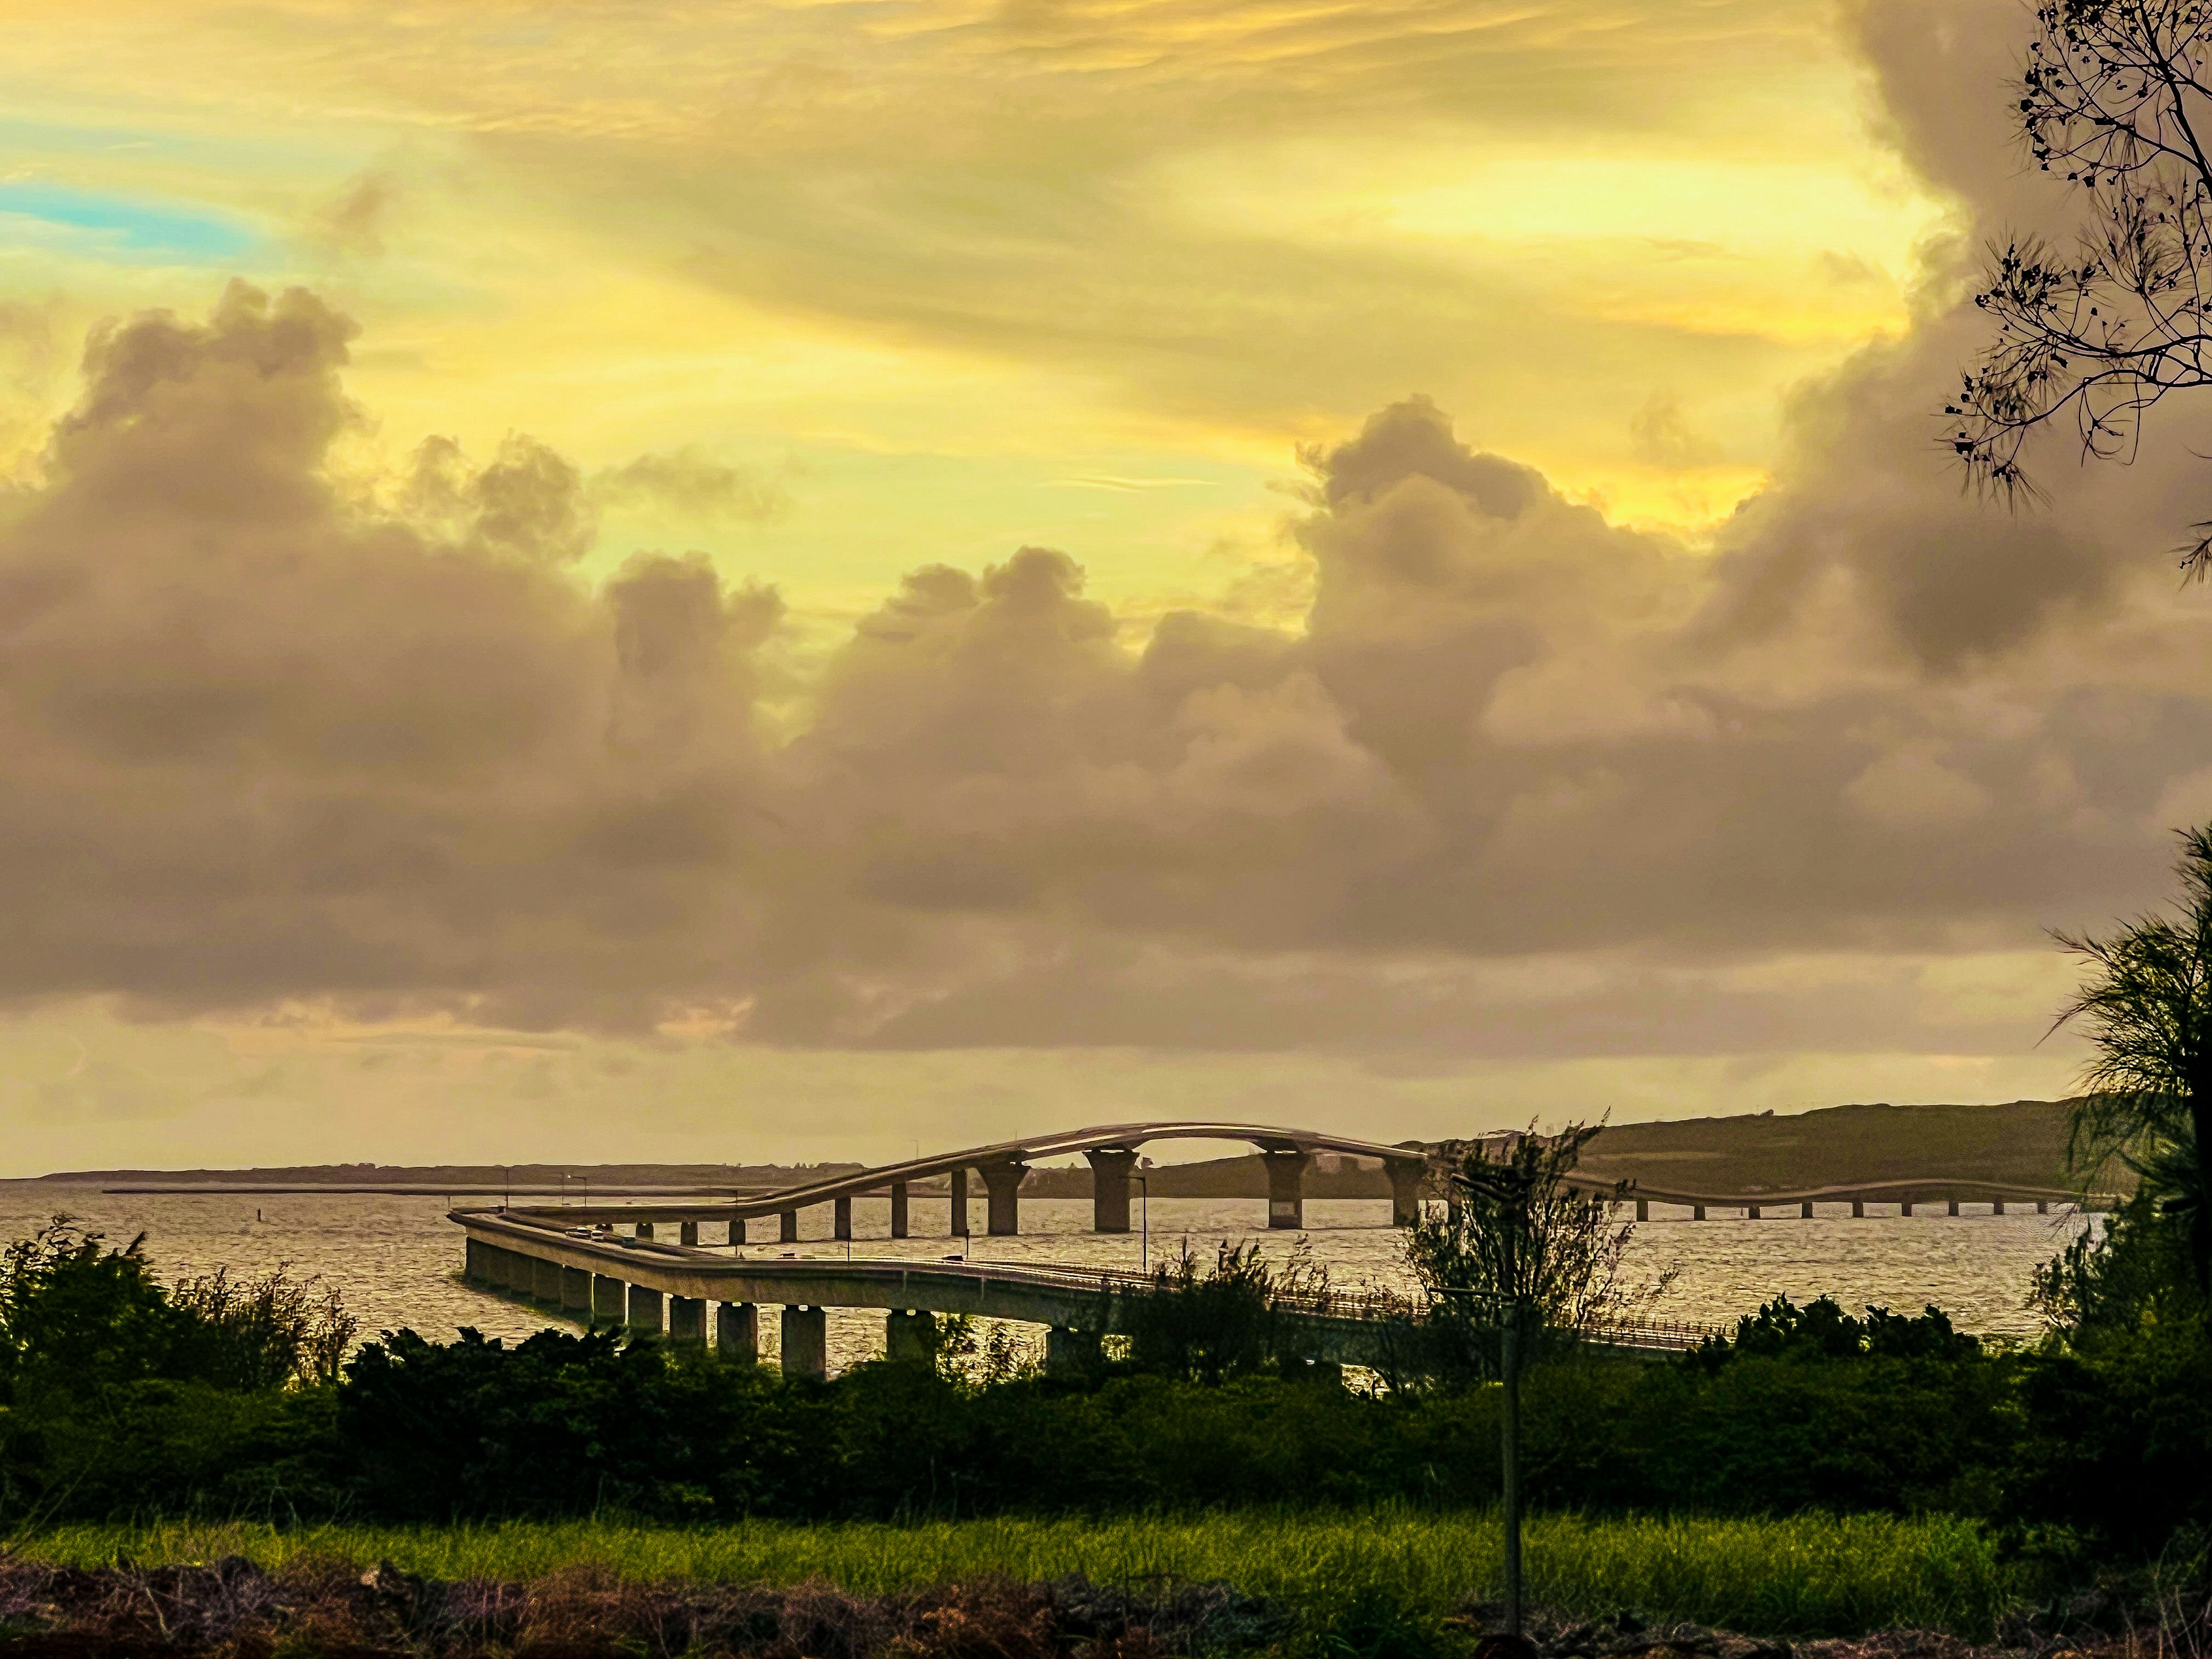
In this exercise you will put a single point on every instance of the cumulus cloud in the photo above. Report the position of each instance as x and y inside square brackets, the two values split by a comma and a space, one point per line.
[1519, 781]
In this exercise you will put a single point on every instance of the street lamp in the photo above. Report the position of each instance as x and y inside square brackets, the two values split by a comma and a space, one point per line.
[1144, 1222]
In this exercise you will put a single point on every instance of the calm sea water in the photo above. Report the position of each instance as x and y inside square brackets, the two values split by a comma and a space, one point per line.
[396, 1259]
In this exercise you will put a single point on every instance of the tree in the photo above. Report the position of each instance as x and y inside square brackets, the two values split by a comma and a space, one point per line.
[2114, 96]
[1521, 1263]
[2147, 1006]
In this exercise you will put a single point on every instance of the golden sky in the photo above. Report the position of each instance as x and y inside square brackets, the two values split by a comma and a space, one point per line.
[1237, 307]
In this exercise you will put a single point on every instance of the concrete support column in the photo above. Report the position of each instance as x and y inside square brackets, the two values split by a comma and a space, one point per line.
[1905, 1207]
[644, 1318]
[960, 1204]
[1002, 1183]
[737, 1333]
[687, 1232]
[1407, 1174]
[789, 1218]
[1954, 1206]
[1858, 1209]
[545, 1286]
[1751, 1211]
[1805, 1211]
[2042, 1207]
[687, 1321]
[1109, 1188]
[909, 1336]
[1286, 1187]
[1697, 1212]
[898, 1209]
[737, 1230]
[645, 1230]
[495, 1267]
[1643, 1209]
[473, 1269]
[1997, 1208]
[576, 1294]
[805, 1342]
[841, 1210]
[1070, 1352]
[609, 1300]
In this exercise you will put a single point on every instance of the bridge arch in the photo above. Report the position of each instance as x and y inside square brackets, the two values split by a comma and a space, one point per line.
[1111, 1149]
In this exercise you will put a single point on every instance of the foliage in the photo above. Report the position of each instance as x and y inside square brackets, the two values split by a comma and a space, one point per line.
[1238, 1318]
[1810, 1575]
[1520, 1234]
[2147, 1009]
[2114, 99]
[2129, 1276]
[1822, 1330]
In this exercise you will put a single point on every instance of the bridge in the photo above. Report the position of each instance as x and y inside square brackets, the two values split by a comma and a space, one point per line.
[1111, 1150]
[1415, 1168]
[592, 1277]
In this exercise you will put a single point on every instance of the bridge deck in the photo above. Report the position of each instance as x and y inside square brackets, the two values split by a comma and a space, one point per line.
[1347, 1327]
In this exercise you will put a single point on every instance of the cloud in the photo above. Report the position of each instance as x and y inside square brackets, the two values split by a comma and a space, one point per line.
[690, 483]
[1518, 780]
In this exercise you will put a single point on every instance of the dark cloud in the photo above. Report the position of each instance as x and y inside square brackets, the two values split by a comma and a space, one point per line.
[1521, 783]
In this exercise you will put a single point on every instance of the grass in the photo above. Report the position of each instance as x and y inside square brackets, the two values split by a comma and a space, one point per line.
[1803, 1576]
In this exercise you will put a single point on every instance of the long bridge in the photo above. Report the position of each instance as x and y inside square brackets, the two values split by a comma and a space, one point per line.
[569, 1260]
[1110, 1149]
[654, 1288]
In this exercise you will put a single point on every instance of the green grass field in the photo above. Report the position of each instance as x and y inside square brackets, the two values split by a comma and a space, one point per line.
[1806, 1576]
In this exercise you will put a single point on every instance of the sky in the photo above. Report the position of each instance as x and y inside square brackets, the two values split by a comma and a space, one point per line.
[794, 579]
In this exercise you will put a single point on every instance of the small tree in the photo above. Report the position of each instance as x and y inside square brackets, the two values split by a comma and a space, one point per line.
[2114, 97]
[2147, 1007]
[1521, 1263]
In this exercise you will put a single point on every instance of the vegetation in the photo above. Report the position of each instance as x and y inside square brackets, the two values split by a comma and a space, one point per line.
[1521, 1261]
[1810, 1575]
[2147, 1010]
[2112, 101]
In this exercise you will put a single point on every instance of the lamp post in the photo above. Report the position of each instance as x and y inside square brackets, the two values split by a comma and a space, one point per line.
[1145, 1223]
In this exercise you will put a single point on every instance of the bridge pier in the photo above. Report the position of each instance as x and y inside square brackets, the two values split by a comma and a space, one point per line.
[645, 1230]
[842, 1212]
[1002, 1186]
[1997, 1208]
[472, 1263]
[1954, 1206]
[545, 1283]
[959, 1180]
[1697, 1212]
[1805, 1211]
[687, 1321]
[1904, 1206]
[607, 1300]
[789, 1218]
[1109, 1188]
[910, 1336]
[576, 1294]
[805, 1342]
[737, 1231]
[1858, 1209]
[2042, 1207]
[737, 1333]
[687, 1232]
[1643, 1209]
[1070, 1352]
[644, 1313]
[1286, 1187]
[1751, 1211]
[1406, 1175]
[898, 1209]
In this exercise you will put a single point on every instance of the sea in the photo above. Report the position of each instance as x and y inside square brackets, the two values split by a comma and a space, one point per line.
[397, 1260]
